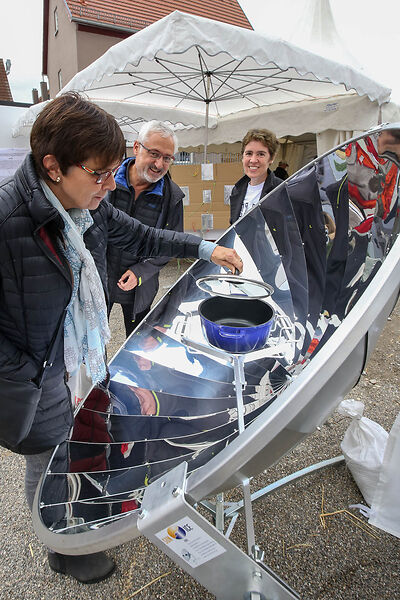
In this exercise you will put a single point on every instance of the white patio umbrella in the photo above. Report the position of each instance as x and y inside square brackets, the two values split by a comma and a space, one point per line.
[183, 65]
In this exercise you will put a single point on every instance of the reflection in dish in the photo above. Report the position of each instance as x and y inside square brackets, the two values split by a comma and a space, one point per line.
[317, 240]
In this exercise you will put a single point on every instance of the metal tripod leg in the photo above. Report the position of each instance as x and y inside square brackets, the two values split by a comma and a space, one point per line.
[234, 508]
[220, 513]
[240, 384]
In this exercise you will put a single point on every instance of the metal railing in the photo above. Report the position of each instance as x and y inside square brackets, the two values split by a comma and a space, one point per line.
[197, 158]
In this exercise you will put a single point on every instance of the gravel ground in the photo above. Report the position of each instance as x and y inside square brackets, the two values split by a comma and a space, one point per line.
[341, 562]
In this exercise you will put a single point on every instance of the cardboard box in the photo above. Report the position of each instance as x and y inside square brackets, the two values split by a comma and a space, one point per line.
[189, 176]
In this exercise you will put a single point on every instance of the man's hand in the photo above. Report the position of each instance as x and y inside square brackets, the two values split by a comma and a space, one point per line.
[128, 281]
[227, 257]
[146, 400]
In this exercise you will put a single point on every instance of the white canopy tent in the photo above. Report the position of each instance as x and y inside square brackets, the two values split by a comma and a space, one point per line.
[316, 31]
[332, 119]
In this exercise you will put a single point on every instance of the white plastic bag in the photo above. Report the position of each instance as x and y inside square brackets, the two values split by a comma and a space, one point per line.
[363, 447]
[385, 509]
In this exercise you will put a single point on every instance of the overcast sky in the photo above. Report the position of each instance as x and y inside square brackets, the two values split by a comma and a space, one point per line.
[370, 30]
[21, 42]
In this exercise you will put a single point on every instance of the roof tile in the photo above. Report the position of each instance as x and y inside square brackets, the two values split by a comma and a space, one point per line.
[137, 14]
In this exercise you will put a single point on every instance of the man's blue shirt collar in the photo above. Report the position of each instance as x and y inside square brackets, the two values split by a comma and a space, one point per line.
[121, 178]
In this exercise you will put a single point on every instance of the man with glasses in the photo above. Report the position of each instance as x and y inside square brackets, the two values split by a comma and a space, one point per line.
[144, 191]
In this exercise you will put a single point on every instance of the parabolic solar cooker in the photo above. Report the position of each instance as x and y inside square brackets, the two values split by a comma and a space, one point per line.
[228, 373]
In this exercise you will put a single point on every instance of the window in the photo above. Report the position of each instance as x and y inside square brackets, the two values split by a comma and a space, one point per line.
[184, 157]
[59, 80]
[55, 21]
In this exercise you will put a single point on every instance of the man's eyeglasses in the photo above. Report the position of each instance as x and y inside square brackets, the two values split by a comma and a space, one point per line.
[157, 155]
[101, 177]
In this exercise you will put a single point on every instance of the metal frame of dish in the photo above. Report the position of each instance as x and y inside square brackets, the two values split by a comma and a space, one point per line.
[294, 414]
[288, 420]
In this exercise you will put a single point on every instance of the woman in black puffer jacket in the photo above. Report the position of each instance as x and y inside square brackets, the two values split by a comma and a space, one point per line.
[53, 252]
[259, 148]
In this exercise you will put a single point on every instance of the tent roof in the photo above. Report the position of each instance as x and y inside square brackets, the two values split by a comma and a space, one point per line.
[316, 31]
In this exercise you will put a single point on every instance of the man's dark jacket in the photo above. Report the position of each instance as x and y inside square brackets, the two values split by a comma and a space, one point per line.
[239, 192]
[36, 286]
[161, 206]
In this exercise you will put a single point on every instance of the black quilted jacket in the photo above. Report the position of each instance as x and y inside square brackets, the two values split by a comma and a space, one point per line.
[35, 288]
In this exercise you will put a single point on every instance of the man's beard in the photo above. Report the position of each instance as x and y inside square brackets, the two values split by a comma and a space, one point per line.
[153, 178]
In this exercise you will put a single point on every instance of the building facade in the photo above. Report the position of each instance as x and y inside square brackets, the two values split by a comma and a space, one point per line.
[76, 32]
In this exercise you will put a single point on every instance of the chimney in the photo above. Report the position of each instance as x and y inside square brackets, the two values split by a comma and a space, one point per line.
[5, 91]
[44, 91]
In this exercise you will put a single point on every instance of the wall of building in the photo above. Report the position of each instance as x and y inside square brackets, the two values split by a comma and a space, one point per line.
[62, 47]
[92, 45]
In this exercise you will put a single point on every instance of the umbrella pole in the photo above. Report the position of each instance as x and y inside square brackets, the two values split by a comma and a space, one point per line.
[206, 135]
[207, 101]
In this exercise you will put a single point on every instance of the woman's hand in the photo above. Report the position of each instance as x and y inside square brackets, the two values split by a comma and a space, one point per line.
[227, 257]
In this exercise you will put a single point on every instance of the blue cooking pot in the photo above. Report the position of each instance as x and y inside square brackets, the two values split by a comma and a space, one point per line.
[236, 325]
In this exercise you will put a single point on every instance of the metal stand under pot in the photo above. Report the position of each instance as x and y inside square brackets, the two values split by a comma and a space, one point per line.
[233, 574]
[241, 324]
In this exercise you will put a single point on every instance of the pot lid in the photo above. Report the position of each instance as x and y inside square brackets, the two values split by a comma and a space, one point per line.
[234, 285]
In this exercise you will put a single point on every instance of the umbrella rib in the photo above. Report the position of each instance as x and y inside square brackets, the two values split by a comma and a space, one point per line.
[249, 82]
[187, 68]
[167, 94]
[191, 89]
[194, 69]
[221, 84]
[259, 87]
[149, 90]
[149, 87]
[236, 93]
[251, 73]
[225, 80]
[175, 80]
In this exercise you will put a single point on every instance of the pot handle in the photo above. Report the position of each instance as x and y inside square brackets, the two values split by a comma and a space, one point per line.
[226, 334]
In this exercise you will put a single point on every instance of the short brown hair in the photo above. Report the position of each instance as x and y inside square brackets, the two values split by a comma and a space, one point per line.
[265, 136]
[74, 129]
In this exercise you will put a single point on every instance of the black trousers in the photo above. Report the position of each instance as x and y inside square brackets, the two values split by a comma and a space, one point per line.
[127, 311]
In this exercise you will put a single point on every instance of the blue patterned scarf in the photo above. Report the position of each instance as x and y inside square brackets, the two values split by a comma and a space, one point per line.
[86, 330]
